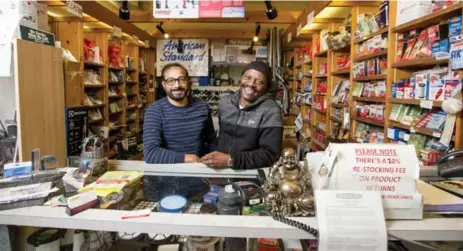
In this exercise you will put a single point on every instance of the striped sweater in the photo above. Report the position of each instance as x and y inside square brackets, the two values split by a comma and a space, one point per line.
[170, 132]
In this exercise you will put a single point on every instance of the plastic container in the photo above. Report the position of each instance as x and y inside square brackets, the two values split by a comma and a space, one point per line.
[230, 202]
[173, 204]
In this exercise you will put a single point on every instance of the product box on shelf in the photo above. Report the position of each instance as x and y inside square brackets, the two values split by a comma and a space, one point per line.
[455, 26]
[435, 89]
[409, 10]
[450, 84]
[421, 86]
[440, 49]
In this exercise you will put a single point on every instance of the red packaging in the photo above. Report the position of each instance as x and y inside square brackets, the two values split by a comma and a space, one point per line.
[400, 48]
[449, 85]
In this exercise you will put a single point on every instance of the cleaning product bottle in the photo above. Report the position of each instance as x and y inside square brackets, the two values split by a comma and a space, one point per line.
[230, 203]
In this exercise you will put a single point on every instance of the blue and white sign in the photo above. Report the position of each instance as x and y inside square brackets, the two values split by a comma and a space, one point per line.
[194, 57]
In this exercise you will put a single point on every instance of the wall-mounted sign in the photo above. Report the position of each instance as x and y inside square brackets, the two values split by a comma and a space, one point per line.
[74, 8]
[194, 57]
[37, 36]
[76, 129]
[290, 36]
[310, 18]
[299, 28]
[198, 9]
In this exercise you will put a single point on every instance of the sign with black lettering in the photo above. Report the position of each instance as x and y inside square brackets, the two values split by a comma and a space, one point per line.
[76, 129]
[37, 36]
[74, 8]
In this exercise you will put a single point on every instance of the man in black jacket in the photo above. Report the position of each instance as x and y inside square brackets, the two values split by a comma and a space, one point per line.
[251, 127]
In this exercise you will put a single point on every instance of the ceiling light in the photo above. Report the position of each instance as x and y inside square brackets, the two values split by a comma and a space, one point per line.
[160, 29]
[270, 11]
[124, 11]
[256, 36]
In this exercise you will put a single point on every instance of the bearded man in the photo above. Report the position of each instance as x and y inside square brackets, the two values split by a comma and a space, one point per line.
[177, 129]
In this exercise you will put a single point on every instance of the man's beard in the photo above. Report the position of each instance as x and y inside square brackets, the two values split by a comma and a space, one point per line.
[178, 94]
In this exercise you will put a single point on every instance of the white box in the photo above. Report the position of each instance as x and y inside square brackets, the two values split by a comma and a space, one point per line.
[409, 10]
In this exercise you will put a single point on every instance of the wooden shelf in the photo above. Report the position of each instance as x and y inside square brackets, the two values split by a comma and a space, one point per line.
[418, 130]
[430, 19]
[321, 76]
[369, 56]
[95, 121]
[112, 154]
[412, 102]
[298, 66]
[341, 72]
[131, 70]
[115, 97]
[115, 113]
[321, 54]
[132, 107]
[112, 129]
[130, 120]
[364, 38]
[370, 78]
[342, 50]
[115, 68]
[339, 105]
[96, 106]
[319, 111]
[114, 83]
[131, 94]
[336, 119]
[94, 86]
[364, 99]
[93, 64]
[369, 121]
[131, 82]
[419, 63]
[308, 62]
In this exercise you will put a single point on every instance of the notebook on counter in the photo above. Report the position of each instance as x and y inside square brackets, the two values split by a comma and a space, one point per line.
[438, 200]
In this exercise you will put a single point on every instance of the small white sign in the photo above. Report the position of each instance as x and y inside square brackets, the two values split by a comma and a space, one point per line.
[147, 44]
[299, 28]
[290, 36]
[310, 18]
[74, 8]
[436, 134]
[350, 221]
[134, 39]
[426, 104]
[117, 32]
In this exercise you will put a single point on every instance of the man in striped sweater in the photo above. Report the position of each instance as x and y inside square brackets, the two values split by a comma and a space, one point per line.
[177, 129]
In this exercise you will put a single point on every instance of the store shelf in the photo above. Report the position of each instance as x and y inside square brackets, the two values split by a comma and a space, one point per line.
[412, 102]
[132, 107]
[115, 97]
[115, 113]
[364, 99]
[345, 49]
[94, 86]
[321, 76]
[130, 120]
[298, 66]
[112, 154]
[93, 64]
[131, 94]
[131, 70]
[320, 94]
[336, 119]
[131, 82]
[418, 130]
[343, 72]
[308, 62]
[430, 19]
[115, 68]
[115, 83]
[364, 38]
[319, 111]
[321, 54]
[315, 127]
[419, 63]
[369, 121]
[97, 106]
[116, 128]
[370, 78]
[339, 105]
[369, 56]
[95, 121]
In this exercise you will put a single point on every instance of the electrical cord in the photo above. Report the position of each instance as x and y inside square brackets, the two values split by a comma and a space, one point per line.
[296, 224]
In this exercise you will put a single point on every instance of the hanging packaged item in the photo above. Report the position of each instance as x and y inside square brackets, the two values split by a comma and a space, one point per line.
[93, 162]
[456, 48]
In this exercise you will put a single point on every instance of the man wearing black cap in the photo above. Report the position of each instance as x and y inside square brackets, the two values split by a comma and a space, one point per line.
[251, 127]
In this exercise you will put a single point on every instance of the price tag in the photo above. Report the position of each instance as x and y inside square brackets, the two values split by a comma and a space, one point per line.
[117, 32]
[412, 130]
[74, 8]
[427, 104]
[290, 36]
[436, 134]
[310, 18]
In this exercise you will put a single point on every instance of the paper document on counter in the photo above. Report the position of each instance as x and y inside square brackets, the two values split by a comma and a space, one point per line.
[350, 220]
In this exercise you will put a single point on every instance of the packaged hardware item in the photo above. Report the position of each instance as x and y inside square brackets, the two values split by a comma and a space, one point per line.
[450, 84]
[456, 48]
[454, 26]
[440, 49]
[419, 42]
[435, 88]
[410, 45]
[421, 86]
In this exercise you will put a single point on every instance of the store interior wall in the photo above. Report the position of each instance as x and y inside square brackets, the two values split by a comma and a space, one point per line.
[7, 98]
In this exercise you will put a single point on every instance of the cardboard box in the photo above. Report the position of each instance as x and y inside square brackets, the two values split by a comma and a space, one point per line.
[409, 10]
[435, 90]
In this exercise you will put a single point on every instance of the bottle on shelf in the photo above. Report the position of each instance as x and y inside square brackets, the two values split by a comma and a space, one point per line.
[212, 76]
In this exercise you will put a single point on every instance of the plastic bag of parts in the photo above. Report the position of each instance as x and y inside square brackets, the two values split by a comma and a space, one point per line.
[93, 162]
